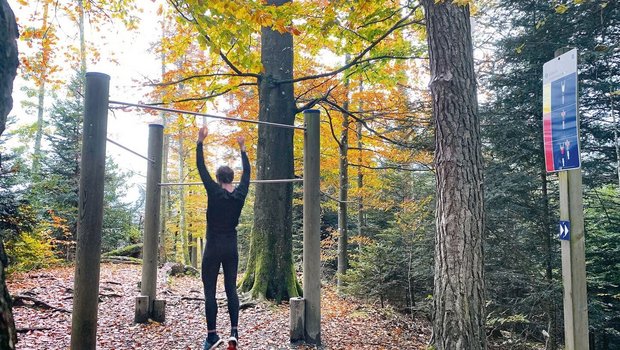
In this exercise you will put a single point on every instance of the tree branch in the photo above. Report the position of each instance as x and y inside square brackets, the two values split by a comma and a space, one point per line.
[388, 167]
[331, 128]
[365, 124]
[314, 101]
[199, 76]
[208, 39]
[401, 23]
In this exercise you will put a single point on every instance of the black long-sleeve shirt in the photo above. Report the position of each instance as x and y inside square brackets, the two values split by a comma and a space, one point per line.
[223, 207]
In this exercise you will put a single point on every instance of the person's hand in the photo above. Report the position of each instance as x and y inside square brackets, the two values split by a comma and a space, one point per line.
[241, 142]
[202, 133]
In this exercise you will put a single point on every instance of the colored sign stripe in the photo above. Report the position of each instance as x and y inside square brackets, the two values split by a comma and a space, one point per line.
[549, 161]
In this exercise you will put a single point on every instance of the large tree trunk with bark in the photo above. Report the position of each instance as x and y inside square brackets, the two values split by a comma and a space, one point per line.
[270, 272]
[8, 60]
[459, 312]
[8, 71]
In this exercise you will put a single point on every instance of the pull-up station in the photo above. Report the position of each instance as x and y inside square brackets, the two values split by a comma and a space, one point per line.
[274, 181]
[178, 111]
[90, 216]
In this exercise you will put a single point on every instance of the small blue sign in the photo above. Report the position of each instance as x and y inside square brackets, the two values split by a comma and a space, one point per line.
[565, 230]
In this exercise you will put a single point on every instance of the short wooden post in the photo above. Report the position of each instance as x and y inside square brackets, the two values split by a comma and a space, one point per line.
[142, 309]
[312, 228]
[297, 325]
[152, 214]
[159, 311]
[90, 213]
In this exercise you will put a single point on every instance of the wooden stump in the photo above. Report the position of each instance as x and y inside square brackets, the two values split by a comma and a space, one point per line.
[297, 324]
[142, 309]
[159, 310]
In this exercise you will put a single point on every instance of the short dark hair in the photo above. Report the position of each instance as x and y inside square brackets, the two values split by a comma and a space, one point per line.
[224, 174]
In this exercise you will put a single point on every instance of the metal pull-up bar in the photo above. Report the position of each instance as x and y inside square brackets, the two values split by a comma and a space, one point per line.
[129, 150]
[171, 110]
[273, 181]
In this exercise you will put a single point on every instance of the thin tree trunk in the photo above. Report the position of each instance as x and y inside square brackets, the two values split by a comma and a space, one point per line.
[36, 155]
[45, 52]
[270, 272]
[459, 310]
[546, 230]
[165, 196]
[82, 43]
[165, 191]
[193, 241]
[185, 236]
[343, 165]
[360, 174]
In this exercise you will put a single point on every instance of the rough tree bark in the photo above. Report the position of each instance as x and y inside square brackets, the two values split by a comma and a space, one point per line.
[8, 71]
[459, 312]
[270, 272]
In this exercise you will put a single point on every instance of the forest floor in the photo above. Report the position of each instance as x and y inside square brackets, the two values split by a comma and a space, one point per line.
[346, 323]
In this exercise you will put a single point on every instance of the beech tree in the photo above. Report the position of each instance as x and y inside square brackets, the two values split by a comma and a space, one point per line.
[254, 42]
[458, 298]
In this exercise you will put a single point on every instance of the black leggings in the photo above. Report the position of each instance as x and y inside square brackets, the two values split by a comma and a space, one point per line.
[220, 249]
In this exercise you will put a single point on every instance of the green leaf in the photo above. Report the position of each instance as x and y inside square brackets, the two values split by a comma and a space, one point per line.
[561, 8]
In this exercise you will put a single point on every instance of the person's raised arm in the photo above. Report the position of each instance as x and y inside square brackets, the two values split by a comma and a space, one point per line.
[245, 176]
[207, 181]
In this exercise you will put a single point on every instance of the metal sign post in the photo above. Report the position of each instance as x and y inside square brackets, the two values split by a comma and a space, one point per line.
[561, 141]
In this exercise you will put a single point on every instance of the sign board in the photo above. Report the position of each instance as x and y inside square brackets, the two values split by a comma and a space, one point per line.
[565, 230]
[560, 114]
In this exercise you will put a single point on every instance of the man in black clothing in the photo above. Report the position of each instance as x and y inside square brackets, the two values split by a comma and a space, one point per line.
[223, 210]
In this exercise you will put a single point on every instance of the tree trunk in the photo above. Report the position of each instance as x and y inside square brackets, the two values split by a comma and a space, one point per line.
[81, 16]
[547, 236]
[8, 336]
[459, 310]
[165, 196]
[360, 174]
[45, 53]
[165, 191]
[270, 272]
[36, 156]
[343, 164]
[185, 236]
[8, 70]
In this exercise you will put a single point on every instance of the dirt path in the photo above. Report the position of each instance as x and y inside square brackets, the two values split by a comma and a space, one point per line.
[345, 324]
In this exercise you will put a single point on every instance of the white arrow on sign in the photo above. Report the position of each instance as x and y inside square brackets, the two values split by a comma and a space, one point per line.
[564, 230]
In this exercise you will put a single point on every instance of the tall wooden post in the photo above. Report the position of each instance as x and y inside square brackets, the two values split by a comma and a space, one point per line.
[312, 228]
[573, 258]
[90, 213]
[152, 208]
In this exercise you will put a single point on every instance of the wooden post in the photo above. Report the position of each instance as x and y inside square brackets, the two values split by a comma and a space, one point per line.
[90, 213]
[296, 324]
[151, 216]
[312, 228]
[159, 311]
[573, 258]
[142, 309]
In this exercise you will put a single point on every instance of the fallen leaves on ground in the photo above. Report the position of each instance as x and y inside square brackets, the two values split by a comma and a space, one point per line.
[345, 323]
